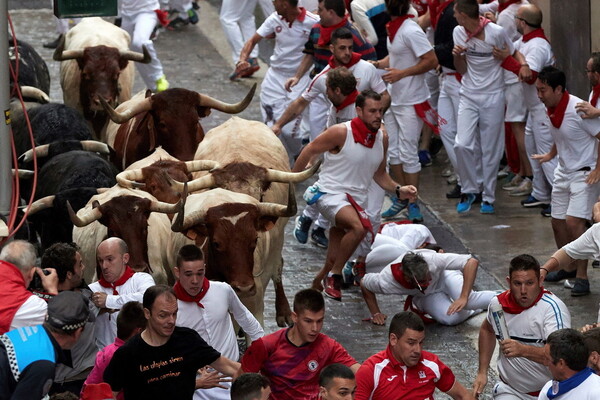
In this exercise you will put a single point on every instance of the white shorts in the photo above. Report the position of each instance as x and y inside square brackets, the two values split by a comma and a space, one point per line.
[502, 391]
[571, 196]
[404, 129]
[516, 111]
[330, 204]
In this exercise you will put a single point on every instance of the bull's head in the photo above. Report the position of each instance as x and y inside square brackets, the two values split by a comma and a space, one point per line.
[228, 233]
[175, 114]
[100, 68]
[126, 217]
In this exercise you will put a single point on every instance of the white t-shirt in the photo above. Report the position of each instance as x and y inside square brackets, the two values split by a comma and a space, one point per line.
[586, 246]
[531, 327]
[132, 7]
[506, 19]
[492, 7]
[213, 322]
[366, 78]
[31, 313]
[409, 45]
[339, 117]
[575, 139]
[412, 235]
[586, 390]
[289, 41]
[538, 54]
[132, 290]
[484, 74]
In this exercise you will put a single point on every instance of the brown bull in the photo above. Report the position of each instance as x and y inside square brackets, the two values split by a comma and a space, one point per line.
[95, 64]
[169, 119]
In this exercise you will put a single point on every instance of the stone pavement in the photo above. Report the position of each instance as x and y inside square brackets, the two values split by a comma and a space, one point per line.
[198, 58]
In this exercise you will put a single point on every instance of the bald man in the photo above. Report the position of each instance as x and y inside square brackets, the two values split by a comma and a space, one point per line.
[117, 285]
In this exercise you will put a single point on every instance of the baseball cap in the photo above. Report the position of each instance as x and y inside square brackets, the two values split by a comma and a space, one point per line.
[69, 311]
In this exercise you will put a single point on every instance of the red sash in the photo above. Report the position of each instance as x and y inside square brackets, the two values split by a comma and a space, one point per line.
[350, 99]
[119, 282]
[395, 24]
[536, 33]
[12, 286]
[362, 134]
[355, 58]
[557, 114]
[362, 215]
[326, 31]
[595, 95]
[482, 23]
[436, 9]
[510, 305]
[163, 17]
[182, 295]
[504, 6]
[429, 116]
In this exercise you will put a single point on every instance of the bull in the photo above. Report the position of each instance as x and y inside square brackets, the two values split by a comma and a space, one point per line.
[247, 158]
[33, 75]
[169, 119]
[136, 217]
[95, 64]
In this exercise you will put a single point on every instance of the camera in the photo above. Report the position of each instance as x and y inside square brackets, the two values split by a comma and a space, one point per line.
[36, 282]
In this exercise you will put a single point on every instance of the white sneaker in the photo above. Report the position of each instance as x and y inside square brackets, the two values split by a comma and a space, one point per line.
[447, 172]
[524, 189]
[452, 179]
[513, 184]
[504, 172]
[568, 285]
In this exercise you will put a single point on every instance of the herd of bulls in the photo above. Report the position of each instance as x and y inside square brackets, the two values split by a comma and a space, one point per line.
[114, 165]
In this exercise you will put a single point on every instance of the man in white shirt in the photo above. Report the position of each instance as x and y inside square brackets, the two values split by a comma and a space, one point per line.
[291, 26]
[480, 111]
[18, 306]
[117, 285]
[577, 175]
[204, 306]
[567, 358]
[531, 314]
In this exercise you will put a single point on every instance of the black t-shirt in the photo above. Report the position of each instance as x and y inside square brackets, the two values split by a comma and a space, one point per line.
[164, 372]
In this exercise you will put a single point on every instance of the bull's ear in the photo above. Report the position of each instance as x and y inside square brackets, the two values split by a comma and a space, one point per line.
[203, 111]
[148, 93]
[266, 223]
[123, 62]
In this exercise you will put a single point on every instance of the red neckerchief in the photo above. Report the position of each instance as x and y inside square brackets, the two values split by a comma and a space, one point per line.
[326, 32]
[182, 295]
[539, 33]
[362, 134]
[510, 305]
[350, 99]
[482, 23]
[429, 116]
[356, 57]
[299, 18]
[124, 278]
[595, 95]
[400, 278]
[557, 113]
[436, 9]
[420, 6]
[395, 24]
[503, 6]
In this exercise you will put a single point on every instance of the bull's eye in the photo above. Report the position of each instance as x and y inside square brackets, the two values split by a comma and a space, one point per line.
[216, 245]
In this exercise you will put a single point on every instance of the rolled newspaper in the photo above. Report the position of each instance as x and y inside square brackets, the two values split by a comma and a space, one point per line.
[499, 321]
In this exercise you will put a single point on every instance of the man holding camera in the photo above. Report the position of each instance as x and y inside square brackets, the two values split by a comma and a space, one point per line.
[18, 306]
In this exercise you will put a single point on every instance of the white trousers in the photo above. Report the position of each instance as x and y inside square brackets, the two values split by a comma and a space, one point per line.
[538, 140]
[237, 20]
[274, 100]
[436, 304]
[479, 126]
[502, 391]
[140, 27]
[181, 6]
[404, 129]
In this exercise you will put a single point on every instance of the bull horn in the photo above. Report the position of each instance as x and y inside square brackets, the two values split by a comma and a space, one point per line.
[204, 182]
[202, 165]
[24, 173]
[274, 175]
[128, 178]
[40, 152]
[35, 93]
[136, 108]
[177, 225]
[279, 210]
[62, 55]
[40, 204]
[94, 146]
[143, 57]
[207, 101]
[165, 208]
[93, 215]
[102, 190]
